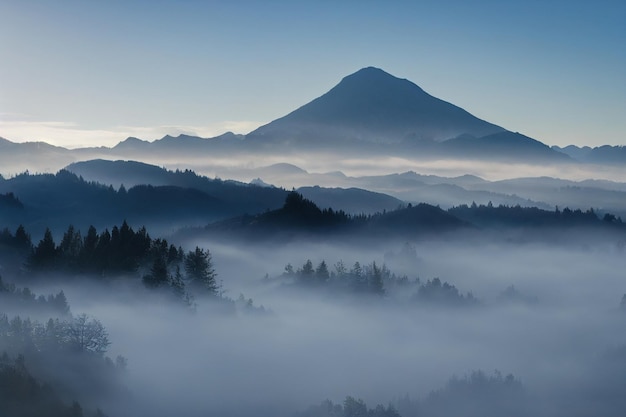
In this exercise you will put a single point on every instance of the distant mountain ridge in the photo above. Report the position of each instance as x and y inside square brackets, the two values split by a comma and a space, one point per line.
[132, 173]
[368, 113]
[605, 154]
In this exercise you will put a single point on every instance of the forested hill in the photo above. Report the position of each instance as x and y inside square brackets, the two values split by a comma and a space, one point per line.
[301, 217]
[54, 201]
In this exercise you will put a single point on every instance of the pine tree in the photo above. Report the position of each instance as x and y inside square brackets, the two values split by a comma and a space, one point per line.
[45, 253]
[321, 273]
[177, 284]
[376, 280]
[158, 275]
[199, 269]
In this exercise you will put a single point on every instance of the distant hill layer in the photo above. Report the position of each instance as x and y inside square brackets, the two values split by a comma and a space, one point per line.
[131, 173]
[368, 113]
[301, 218]
[605, 154]
[65, 198]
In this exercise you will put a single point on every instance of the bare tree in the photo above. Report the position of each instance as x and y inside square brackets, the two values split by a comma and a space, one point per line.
[87, 335]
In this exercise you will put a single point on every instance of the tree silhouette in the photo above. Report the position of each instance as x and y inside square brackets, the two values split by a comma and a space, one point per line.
[321, 272]
[376, 280]
[199, 269]
[88, 335]
[45, 252]
[158, 275]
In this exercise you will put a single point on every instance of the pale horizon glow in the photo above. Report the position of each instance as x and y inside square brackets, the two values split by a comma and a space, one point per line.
[88, 74]
[72, 136]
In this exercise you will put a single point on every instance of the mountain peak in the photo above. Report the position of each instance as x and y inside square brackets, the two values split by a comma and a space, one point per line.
[374, 106]
[377, 75]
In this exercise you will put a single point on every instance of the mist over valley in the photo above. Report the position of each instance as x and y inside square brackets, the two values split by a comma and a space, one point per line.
[376, 252]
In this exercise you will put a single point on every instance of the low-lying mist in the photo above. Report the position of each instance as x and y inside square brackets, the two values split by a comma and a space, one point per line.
[308, 344]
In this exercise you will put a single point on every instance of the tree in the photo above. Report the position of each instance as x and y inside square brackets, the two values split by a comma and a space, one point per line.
[199, 269]
[70, 247]
[340, 269]
[307, 273]
[177, 284]
[376, 280]
[45, 253]
[321, 272]
[88, 335]
[91, 241]
[158, 273]
[22, 239]
[354, 408]
[358, 280]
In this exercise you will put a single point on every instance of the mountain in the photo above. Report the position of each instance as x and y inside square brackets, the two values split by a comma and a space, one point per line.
[502, 146]
[371, 111]
[350, 200]
[117, 173]
[368, 113]
[247, 198]
[605, 154]
[373, 106]
[35, 156]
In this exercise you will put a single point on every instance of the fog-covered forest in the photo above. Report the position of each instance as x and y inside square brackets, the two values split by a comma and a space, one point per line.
[303, 311]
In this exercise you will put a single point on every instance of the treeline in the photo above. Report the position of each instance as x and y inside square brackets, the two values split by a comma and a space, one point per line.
[297, 212]
[15, 298]
[364, 280]
[182, 198]
[80, 334]
[66, 352]
[117, 252]
[503, 215]
[110, 252]
[476, 395]
[68, 355]
[372, 279]
[300, 216]
[351, 407]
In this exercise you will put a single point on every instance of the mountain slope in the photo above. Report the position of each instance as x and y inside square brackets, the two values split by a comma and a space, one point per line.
[502, 146]
[350, 200]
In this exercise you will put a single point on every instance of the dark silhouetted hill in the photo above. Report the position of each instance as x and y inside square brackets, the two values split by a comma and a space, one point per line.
[350, 200]
[58, 200]
[301, 217]
[248, 199]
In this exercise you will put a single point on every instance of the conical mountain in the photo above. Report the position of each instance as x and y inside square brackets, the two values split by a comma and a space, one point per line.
[374, 106]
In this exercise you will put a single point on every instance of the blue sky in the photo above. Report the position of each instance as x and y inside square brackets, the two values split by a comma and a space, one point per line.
[83, 73]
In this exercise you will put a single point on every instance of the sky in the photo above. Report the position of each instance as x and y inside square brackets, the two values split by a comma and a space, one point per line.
[84, 73]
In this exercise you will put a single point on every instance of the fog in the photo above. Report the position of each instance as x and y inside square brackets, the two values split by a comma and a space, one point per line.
[308, 345]
[544, 307]
[244, 167]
